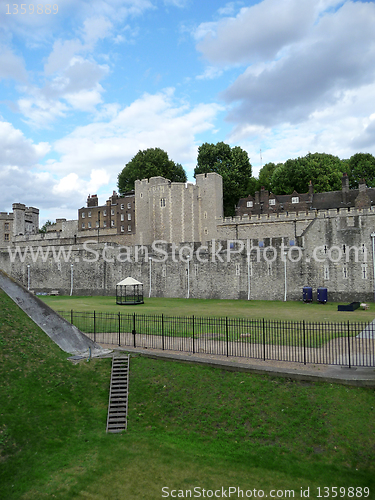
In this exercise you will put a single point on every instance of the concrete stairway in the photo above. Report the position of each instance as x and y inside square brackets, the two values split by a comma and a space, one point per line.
[118, 395]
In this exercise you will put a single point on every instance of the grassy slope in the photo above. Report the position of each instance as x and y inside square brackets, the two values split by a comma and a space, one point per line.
[297, 311]
[188, 426]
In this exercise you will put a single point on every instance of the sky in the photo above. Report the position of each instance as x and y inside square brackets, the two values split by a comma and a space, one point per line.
[85, 85]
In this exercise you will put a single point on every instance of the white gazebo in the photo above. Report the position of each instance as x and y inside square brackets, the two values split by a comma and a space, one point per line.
[129, 292]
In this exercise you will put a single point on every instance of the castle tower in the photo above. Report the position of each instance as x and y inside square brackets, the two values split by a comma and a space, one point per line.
[19, 218]
[210, 204]
[31, 220]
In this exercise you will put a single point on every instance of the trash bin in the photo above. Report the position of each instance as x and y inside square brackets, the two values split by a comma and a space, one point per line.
[307, 294]
[322, 295]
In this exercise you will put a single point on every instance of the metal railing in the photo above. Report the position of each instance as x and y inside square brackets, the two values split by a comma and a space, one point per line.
[345, 343]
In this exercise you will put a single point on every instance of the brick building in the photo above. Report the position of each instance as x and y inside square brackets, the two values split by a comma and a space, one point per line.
[265, 202]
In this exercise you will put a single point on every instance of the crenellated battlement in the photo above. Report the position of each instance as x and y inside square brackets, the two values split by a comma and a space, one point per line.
[295, 216]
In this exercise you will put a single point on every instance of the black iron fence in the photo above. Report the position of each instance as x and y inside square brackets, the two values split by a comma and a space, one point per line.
[344, 343]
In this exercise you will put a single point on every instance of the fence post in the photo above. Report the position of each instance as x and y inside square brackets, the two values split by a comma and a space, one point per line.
[227, 334]
[304, 343]
[264, 342]
[71, 316]
[133, 331]
[349, 344]
[119, 329]
[162, 330]
[94, 327]
[193, 336]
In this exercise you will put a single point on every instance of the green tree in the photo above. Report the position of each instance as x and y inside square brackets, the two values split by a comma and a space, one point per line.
[324, 170]
[43, 229]
[265, 175]
[362, 166]
[232, 164]
[148, 163]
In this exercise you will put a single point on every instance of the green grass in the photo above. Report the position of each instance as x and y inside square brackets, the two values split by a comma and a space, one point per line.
[189, 426]
[255, 309]
[282, 326]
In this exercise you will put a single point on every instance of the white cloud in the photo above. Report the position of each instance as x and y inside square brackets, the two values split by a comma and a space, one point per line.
[315, 72]
[40, 112]
[257, 32]
[95, 28]
[11, 65]
[61, 55]
[150, 121]
[210, 73]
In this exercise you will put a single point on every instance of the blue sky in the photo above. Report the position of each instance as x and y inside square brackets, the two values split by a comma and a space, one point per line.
[84, 89]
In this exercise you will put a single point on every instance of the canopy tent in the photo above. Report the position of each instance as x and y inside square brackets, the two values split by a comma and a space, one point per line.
[129, 292]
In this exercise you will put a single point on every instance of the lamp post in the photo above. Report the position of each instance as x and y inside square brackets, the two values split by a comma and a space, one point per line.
[373, 259]
[71, 279]
[98, 224]
[150, 260]
[285, 282]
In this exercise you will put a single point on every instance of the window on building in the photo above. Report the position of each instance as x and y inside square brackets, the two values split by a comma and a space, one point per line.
[249, 204]
[112, 212]
[129, 205]
[129, 229]
[272, 201]
[122, 229]
[83, 225]
[129, 216]
[364, 271]
[122, 217]
[205, 230]
[6, 226]
[104, 213]
[89, 214]
[83, 215]
[6, 237]
[295, 199]
[112, 223]
[89, 225]
[122, 206]
[97, 223]
[105, 223]
[162, 202]
[205, 215]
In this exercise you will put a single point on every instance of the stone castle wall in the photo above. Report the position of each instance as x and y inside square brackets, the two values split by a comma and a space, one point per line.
[330, 248]
[333, 251]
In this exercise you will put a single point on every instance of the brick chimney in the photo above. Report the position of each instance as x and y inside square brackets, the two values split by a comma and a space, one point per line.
[345, 187]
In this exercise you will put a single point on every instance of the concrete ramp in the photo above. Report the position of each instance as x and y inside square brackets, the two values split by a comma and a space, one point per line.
[368, 332]
[65, 335]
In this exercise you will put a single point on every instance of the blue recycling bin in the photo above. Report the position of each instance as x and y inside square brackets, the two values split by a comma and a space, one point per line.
[322, 295]
[307, 294]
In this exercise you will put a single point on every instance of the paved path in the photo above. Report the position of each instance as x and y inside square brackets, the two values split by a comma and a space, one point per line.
[325, 373]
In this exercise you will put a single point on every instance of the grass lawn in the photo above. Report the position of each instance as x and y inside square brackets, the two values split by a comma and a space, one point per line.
[256, 309]
[189, 427]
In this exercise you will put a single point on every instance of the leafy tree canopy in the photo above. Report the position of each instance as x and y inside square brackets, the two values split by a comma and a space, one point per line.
[232, 164]
[148, 163]
[324, 170]
[265, 175]
[362, 166]
[43, 229]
